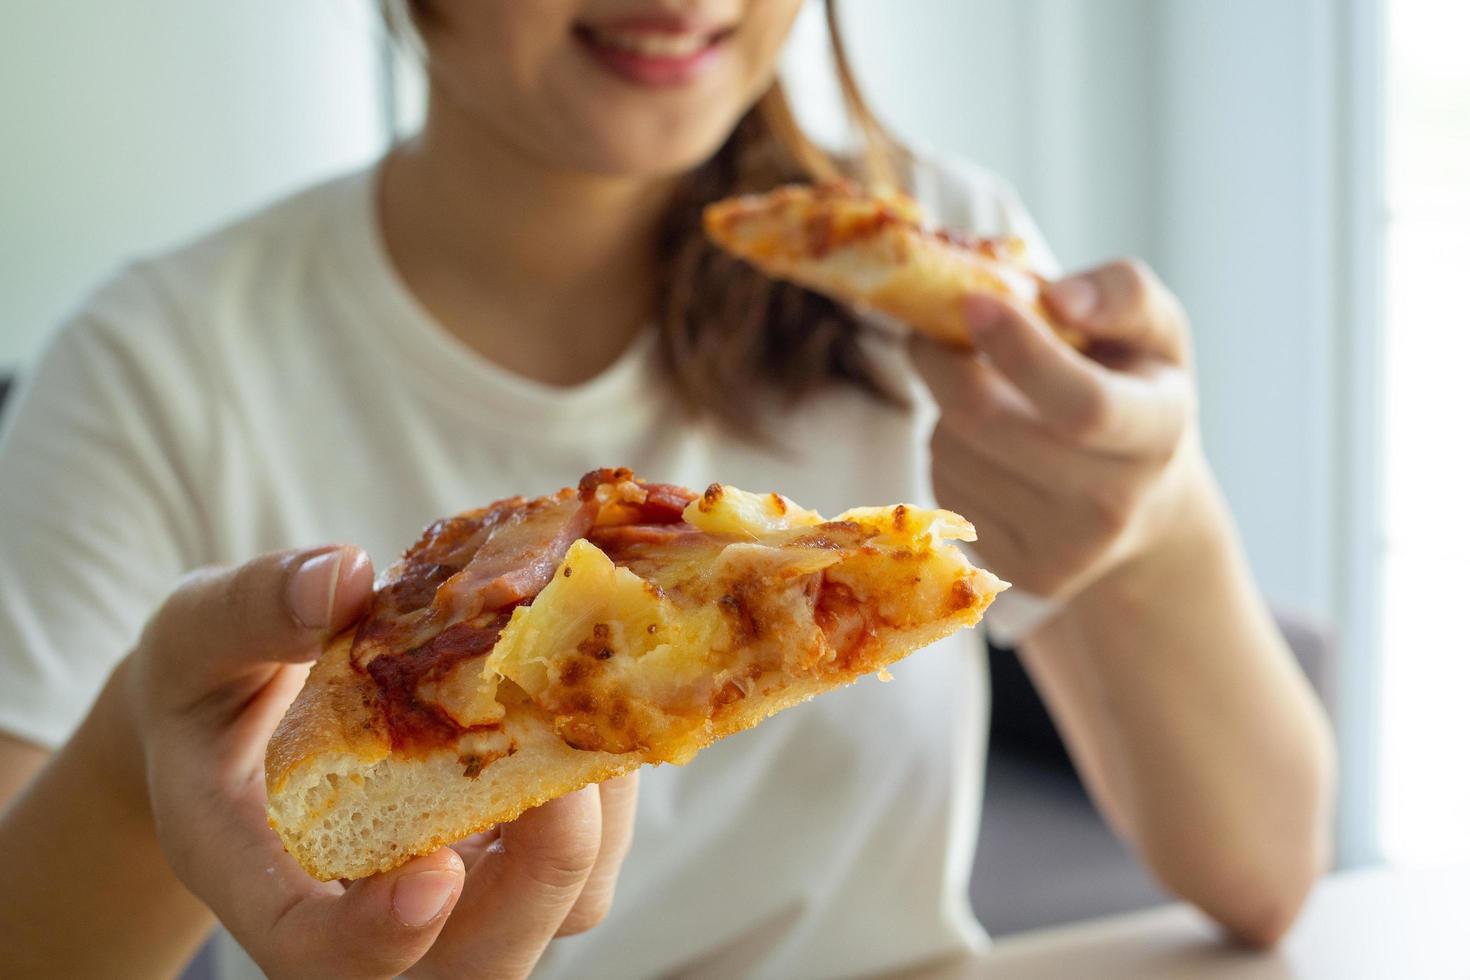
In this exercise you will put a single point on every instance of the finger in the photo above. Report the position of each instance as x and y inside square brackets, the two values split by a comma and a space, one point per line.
[619, 801]
[521, 891]
[1016, 444]
[1122, 303]
[472, 848]
[220, 846]
[963, 385]
[377, 927]
[984, 416]
[223, 623]
[997, 541]
[1021, 490]
[1065, 387]
[1079, 399]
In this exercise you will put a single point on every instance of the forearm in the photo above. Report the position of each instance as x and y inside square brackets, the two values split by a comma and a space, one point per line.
[88, 891]
[1193, 725]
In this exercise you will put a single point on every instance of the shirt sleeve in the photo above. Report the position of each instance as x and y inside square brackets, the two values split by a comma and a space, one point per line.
[98, 521]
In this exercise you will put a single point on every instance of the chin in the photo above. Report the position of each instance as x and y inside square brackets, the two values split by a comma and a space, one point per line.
[651, 150]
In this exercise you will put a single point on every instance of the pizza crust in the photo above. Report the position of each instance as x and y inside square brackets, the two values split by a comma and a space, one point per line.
[344, 813]
[346, 807]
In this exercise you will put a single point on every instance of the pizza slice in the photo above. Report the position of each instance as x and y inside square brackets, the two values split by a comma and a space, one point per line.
[873, 251]
[523, 650]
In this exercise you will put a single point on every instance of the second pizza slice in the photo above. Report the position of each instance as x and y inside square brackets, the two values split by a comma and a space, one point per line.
[874, 251]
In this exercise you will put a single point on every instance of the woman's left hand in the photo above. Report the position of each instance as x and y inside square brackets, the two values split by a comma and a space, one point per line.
[1164, 671]
[1068, 464]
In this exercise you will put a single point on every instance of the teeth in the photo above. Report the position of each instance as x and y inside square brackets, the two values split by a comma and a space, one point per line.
[652, 44]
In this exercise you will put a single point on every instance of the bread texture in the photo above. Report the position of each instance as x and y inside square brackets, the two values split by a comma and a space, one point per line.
[345, 808]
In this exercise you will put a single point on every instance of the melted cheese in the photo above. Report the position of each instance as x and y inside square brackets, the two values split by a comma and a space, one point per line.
[640, 655]
[740, 514]
[467, 692]
[642, 623]
[908, 527]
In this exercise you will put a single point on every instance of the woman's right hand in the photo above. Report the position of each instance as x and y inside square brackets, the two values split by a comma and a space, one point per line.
[213, 673]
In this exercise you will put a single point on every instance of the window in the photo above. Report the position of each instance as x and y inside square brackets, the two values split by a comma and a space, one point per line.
[1426, 550]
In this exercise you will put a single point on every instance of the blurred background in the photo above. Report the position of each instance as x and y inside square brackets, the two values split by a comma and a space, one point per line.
[1297, 170]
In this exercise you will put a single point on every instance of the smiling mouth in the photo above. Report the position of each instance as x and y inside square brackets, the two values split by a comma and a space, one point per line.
[653, 52]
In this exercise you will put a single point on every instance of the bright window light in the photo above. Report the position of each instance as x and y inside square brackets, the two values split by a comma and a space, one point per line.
[1426, 641]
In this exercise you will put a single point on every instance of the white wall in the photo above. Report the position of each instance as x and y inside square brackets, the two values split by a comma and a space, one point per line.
[130, 126]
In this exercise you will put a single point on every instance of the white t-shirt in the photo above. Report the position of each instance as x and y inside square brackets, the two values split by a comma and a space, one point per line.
[276, 385]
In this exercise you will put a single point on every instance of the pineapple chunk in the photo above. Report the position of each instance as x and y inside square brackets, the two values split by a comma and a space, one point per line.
[739, 513]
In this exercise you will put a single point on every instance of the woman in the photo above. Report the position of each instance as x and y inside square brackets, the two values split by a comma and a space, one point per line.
[516, 295]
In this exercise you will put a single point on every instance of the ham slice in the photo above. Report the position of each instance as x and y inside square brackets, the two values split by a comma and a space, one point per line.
[466, 569]
[665, 503]
[619, 540]
[517, 558]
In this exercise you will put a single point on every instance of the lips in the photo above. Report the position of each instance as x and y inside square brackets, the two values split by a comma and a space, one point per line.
[654, 51]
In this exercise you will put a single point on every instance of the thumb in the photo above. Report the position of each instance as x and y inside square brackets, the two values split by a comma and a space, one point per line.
[222, 624]
[294, 926]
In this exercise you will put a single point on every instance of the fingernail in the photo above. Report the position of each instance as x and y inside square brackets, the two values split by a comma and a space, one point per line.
[1075, 299]
[418, 899]
[313, 590]
[981, 313]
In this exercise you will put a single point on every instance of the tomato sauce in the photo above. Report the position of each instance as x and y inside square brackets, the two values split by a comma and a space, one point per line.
[415, 723]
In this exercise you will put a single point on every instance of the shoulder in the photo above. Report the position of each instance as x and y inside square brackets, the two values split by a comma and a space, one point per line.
[179, 317]
[270, 249]
[156, 338]
[266, 248]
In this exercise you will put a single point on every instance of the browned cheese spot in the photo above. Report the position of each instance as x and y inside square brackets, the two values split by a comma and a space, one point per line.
[712, 495]
[778, 503]
[587, 486]
[573, 672]
[962, 594]
[579, 733]
[597, 645]
[728, 694]
[833, 535]
[737, 603]
[900, 517]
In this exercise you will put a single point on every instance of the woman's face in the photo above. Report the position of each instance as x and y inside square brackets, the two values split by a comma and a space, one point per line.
[624, 87]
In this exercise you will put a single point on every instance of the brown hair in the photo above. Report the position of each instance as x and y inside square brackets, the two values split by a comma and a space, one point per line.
[732, 337]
